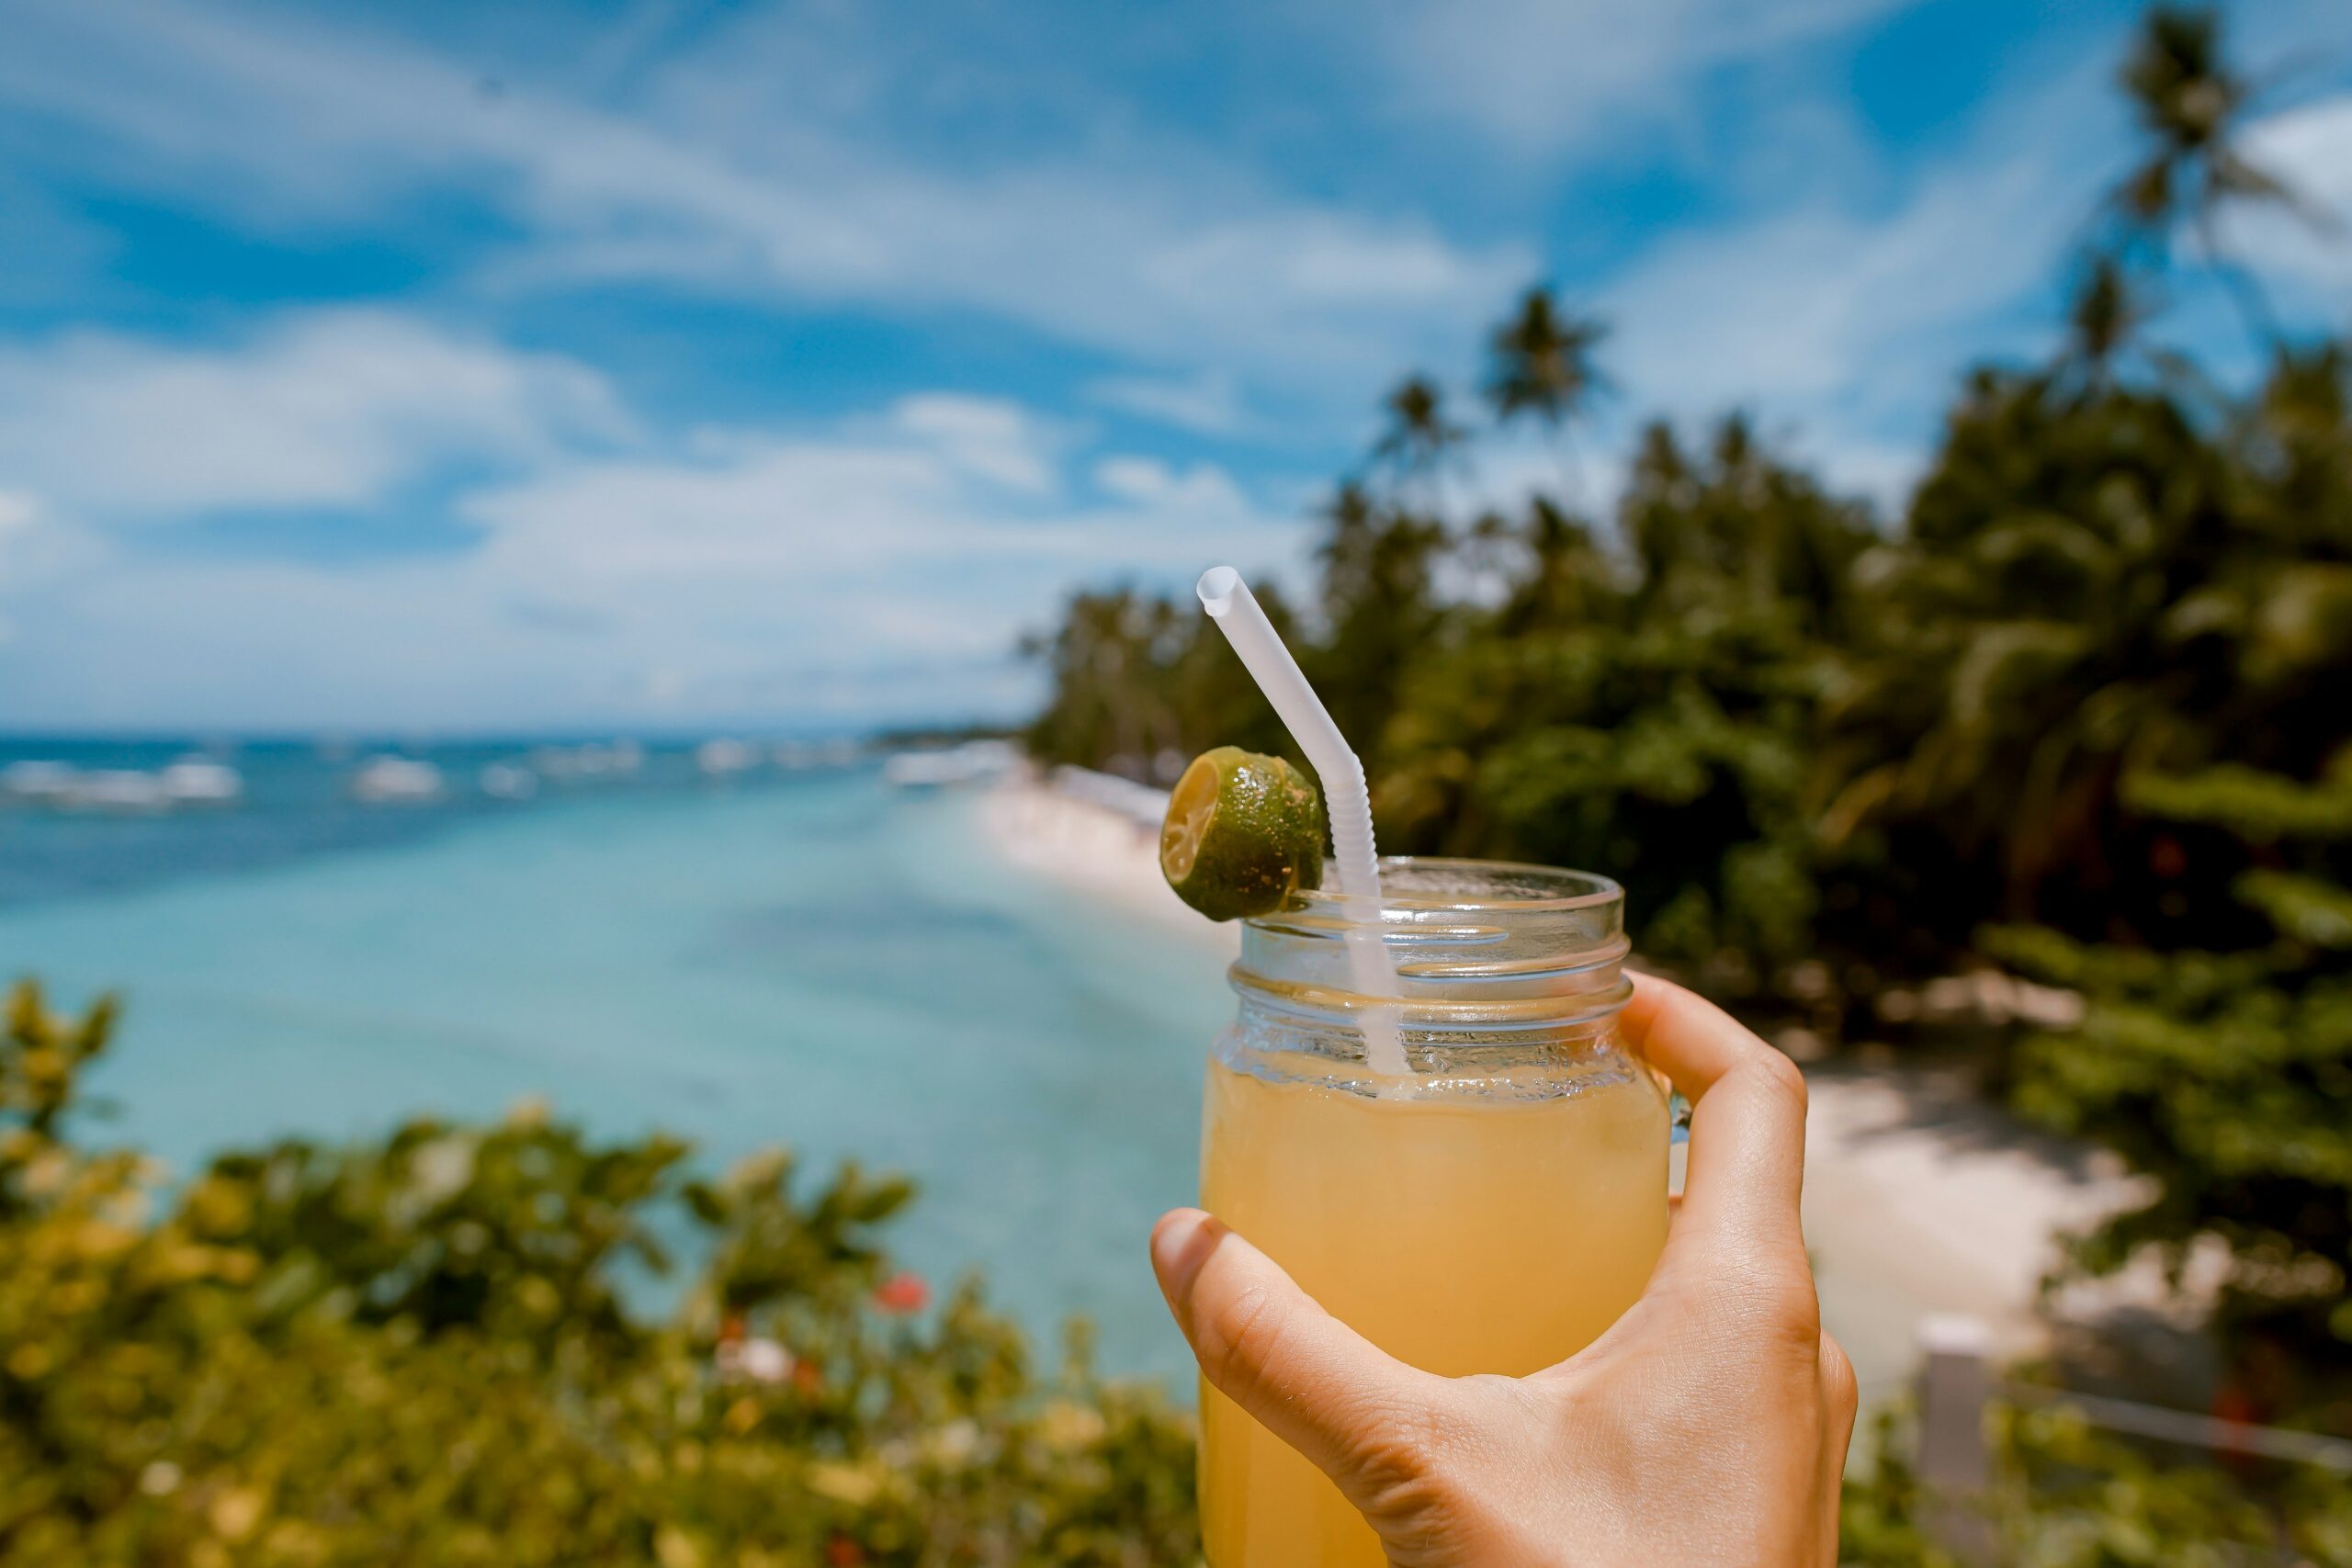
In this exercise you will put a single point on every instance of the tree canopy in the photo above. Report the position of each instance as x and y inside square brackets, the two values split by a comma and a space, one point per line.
[2083, 708]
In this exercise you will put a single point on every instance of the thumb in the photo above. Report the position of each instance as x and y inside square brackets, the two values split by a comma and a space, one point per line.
[1264, 1343]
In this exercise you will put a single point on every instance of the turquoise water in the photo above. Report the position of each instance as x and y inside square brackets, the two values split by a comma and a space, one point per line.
[816, 961]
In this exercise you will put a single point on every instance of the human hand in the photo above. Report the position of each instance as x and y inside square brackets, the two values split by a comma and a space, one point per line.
[1707, 1427]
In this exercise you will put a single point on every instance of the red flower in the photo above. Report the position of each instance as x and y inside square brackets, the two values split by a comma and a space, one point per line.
[843, 1553]
[902, 1293]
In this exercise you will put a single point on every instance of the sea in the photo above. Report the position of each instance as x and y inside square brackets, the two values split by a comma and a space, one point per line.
[743, 951]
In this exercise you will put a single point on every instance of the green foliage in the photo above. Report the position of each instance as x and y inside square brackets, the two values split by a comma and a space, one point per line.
[1645, 716]
[1379, 606]
[1541, 361]
[418, 1351]
[1882, 1512]
[2085, 710]
[2096, 588]
[2227, 1075]
[1138, 681]
[2066, 1495]
[37, 1076]
[1642, 712]
[2259, 808]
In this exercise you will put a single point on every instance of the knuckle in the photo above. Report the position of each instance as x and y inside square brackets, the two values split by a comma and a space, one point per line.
[1840, 1390]
[1773, 1302]
[1774, 1072]
[1240, 1339]
[1404, 1464]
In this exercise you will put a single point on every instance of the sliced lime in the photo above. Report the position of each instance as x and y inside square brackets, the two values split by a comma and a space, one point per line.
[1243, 833]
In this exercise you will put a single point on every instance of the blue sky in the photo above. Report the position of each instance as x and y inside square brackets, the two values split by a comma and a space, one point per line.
[667, 366]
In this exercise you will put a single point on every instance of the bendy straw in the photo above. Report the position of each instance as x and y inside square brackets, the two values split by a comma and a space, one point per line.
[1236, 611]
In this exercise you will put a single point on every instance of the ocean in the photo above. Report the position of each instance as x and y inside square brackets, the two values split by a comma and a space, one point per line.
[807, 957]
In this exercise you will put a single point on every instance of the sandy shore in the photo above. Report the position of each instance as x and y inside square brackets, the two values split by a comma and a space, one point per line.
[1919, 1200]
[1093, 849]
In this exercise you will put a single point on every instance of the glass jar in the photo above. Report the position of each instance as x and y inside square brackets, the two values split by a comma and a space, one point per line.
[1492, 1211]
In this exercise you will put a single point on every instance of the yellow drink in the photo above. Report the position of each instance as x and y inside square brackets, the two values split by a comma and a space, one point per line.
[1462, 1234]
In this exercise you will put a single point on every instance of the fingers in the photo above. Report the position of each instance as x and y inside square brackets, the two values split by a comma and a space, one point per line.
[1746, 1158]
[1839, 1398]
[1684, 1036]
[1308, 1378]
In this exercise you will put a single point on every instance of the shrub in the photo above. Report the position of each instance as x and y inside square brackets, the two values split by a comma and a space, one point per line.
[425, 1350]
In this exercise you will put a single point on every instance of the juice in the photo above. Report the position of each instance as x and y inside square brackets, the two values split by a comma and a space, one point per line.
[1468, 1225]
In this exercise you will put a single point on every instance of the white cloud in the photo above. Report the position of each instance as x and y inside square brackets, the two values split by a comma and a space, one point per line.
[1134, 478]
[869, 506]
[1152, 250]
[1201, 490]
[884, 564]
[2310, 149]
[18, 512]
[1845, 326]
[1538, 73]
[38, 549]
[989, 437]
[1206, 404]
[890, 555]
[336, 409]
[1841, 320]
[1820, 303]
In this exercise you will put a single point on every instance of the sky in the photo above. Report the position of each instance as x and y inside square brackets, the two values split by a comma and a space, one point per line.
[673, 366]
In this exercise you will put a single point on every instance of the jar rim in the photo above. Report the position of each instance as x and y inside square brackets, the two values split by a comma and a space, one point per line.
[1518, 887]
[1475, 945]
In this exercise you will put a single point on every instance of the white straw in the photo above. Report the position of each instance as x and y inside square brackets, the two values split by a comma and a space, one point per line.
[1235, 609]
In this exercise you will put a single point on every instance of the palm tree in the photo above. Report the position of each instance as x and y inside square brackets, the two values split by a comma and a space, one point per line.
[2193, 107]
[1379, 606]
[1555, 573]
[1109, 708]
[2094, 584]
[1540, 362]
[1418, 433]
[2103, 317]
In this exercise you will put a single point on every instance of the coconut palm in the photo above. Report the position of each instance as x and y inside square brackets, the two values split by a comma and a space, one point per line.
[1734, 525]
[1562, 576]
[2092, 585]
[1540, 362]
[1108, 708]
[1380, 606]
[2193, 107]
[2102, 320]
[1418, 433]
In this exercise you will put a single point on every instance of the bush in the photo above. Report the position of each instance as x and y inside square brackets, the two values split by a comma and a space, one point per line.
[2064, 1496]
[421, 1350]
[2225, 1076]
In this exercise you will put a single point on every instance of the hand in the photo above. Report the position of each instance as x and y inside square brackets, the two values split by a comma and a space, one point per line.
[1707, 1427]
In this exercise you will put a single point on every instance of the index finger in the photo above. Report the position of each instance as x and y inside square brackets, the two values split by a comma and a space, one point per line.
[1747, 1103]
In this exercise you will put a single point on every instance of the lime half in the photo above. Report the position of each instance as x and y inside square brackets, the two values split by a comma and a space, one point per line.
[1243, 833]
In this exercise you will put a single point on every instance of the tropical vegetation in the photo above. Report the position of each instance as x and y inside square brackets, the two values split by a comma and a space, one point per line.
[439, 1348]
[2081, 711]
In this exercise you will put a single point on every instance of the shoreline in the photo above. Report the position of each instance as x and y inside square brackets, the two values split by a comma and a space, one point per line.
[1099, 843]
[1920, 1200]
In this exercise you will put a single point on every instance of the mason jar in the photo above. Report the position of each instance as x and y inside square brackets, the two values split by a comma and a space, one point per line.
[1492, 1211]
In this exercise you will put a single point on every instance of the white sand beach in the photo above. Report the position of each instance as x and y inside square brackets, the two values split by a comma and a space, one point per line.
[1093, 848]
[1919, 1198]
